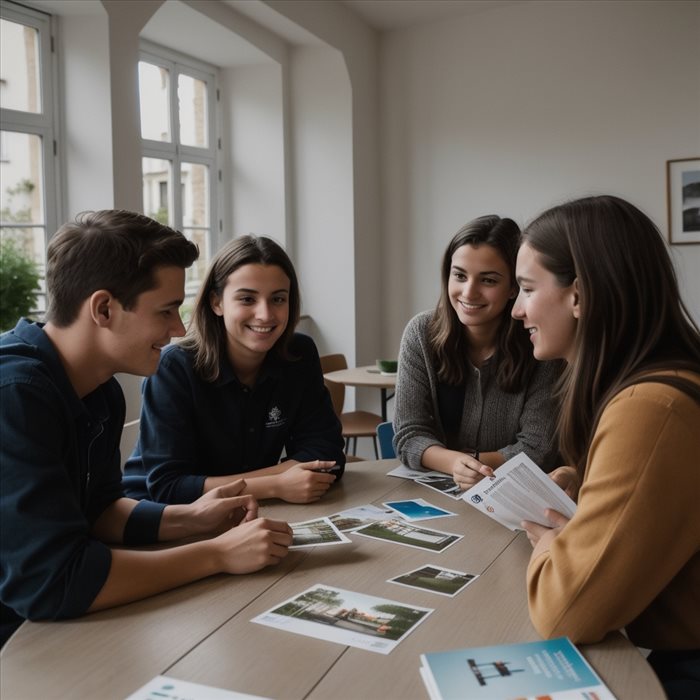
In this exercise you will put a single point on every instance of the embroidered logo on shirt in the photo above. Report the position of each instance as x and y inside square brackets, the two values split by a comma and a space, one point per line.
[274, 418]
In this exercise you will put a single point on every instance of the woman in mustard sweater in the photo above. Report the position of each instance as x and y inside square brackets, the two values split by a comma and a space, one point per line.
[598, 289]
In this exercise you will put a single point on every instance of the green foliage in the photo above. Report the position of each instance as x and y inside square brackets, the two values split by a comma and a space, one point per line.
[19, 284]
[161, 216]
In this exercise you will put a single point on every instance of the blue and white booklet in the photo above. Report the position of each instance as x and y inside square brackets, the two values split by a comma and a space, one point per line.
[553, 669]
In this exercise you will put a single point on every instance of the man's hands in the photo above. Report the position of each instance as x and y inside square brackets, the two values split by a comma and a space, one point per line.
[252, 546]
[245, 543]
[216, 511]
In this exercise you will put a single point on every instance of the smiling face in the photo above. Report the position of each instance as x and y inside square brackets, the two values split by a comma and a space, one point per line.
[549, 311]
[254, 306]
[479, 287]
[140, 333]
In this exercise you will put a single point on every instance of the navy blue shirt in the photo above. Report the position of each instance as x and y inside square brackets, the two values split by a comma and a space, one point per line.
[191, 429]
[59, 470]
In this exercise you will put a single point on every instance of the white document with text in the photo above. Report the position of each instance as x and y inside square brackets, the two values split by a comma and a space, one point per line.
[519, 490]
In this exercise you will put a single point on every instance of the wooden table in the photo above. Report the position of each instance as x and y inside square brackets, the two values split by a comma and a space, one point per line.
[367, 375]
[202, 632]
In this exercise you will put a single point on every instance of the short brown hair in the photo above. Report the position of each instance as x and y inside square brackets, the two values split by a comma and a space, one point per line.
[111, 249]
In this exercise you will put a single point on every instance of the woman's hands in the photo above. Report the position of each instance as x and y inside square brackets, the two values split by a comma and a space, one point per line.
[304, 482]
[541, 536]
[568, 479]
[467, 470]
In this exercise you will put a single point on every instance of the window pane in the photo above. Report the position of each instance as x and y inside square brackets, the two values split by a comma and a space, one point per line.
[157, 196]
[29, 242]
[154, 88]
[194, 183]
[196, 274]
[21, 175]
[192, 100]
[19, 67]
[194, 180]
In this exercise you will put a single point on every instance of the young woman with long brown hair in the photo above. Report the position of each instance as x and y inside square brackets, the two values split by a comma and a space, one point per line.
[598, 289]
[467, 381]
[240, 391]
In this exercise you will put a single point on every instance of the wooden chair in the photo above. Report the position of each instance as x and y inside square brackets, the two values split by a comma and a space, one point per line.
[355, 423]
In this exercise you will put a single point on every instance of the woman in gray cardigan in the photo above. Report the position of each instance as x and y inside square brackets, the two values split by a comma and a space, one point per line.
[469, 394]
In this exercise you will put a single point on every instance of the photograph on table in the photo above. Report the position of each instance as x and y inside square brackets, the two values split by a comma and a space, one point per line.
[399, 531]
[346, 617]
[404, 472]
[435, 579]
[417, 509]
[314, 533]
[354, 518]
[443, 483]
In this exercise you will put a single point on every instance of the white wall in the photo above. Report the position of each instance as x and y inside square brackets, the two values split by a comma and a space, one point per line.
[323, 193]
[86, 114]
[254, 191]
[518, 108]
[338, 27]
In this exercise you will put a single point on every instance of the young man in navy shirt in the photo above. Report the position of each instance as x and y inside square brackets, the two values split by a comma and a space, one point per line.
[115, 282]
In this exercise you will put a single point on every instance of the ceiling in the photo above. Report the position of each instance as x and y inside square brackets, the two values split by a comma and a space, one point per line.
[386, 15]
[228, 49]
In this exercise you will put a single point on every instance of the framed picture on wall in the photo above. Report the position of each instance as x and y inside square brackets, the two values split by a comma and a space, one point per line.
[683, 200]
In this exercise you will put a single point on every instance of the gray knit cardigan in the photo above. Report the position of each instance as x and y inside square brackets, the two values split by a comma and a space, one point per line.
[492, 420]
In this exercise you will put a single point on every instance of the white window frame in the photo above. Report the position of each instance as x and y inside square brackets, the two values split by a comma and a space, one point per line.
[45, 123]
[177, 153]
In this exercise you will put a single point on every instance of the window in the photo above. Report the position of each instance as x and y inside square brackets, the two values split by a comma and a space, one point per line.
[28, 198]
[179, 148]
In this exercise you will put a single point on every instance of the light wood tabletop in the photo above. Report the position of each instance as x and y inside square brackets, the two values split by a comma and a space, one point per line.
[203, 632]
[366, 376]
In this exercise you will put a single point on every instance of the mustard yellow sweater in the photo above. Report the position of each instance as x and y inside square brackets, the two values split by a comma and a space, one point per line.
[630, 557]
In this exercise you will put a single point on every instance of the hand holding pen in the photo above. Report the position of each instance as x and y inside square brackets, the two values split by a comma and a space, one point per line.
[469, 470]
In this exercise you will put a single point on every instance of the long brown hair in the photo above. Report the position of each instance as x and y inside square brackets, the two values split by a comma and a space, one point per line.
[632, 320]
[446, 334]
[206, 336]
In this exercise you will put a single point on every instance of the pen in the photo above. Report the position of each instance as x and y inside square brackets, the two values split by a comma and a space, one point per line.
[476, 455]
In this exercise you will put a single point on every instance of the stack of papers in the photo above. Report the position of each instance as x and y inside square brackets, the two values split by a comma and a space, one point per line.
[552, 669]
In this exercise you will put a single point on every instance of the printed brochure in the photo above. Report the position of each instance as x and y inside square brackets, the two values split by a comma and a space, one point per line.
[519, 490]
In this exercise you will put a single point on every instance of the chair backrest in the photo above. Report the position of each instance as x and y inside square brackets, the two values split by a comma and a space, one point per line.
[385, 435]
[331, 363]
